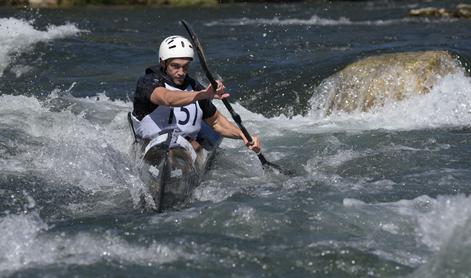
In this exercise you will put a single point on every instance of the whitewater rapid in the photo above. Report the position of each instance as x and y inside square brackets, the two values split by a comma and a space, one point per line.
[372, 189]
[19, 36]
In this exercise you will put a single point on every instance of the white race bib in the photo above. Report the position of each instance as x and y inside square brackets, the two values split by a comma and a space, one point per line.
[186, 119]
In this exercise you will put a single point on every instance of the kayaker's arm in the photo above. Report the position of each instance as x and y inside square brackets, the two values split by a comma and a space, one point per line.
[164, 96]
[225, 128]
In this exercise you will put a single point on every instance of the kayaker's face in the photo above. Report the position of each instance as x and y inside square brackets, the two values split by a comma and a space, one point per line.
[177, 69]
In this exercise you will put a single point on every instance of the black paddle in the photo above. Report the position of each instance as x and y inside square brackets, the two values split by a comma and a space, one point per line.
[199, 50]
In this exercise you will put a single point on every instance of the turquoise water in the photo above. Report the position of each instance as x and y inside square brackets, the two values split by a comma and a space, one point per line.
[376, 194]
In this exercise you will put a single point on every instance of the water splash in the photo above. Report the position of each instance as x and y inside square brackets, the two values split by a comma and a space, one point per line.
[71, 143]
[446, 228]
[438, 231]
[373, 81]
[26, 241]
[18, 36]
[447, 105]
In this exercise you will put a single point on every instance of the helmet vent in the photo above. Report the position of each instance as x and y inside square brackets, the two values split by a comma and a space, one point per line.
[173, 46]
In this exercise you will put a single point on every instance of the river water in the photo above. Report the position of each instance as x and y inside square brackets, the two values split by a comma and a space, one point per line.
[383, 193]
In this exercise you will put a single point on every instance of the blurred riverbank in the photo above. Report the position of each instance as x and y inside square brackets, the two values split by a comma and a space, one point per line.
[71, 3]
[460, 11]
[170, 3]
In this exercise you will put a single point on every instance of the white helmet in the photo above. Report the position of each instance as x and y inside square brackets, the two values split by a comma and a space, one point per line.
[175, 47]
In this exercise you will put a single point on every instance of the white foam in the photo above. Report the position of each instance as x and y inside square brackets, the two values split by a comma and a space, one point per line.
[395, 231]
[18, 36]
[72, 148]
[447, 105]
[447, 215]
[437, 222]
[315, 20]
[446, 229]
[25, 240]
[444, 226]
[350, 203]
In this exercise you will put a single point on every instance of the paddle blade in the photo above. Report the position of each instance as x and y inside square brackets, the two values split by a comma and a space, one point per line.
[267, 165]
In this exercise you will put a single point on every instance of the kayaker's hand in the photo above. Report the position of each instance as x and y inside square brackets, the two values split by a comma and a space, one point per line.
[254, 145]
[219, 93]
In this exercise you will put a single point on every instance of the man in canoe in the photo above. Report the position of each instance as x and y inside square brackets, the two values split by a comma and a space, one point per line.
[167, 98]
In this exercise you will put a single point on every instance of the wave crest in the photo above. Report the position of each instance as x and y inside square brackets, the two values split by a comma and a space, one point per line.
[19, 35]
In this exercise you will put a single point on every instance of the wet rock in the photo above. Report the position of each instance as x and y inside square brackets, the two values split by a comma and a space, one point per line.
[43, 3]
[429, 11]
[461, 11]
[375, 80]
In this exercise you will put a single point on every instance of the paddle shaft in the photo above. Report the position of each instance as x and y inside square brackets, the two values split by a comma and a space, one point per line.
[214, 84]
[238, 120]
[236, 117]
